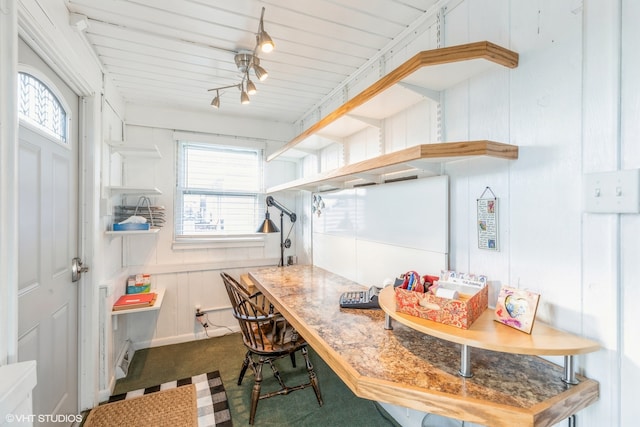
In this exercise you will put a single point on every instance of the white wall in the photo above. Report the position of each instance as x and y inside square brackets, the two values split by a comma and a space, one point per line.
[373, 234]
[190, 275]
[571, 106]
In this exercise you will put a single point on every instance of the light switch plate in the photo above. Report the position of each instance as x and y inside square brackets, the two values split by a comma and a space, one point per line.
[612, 192]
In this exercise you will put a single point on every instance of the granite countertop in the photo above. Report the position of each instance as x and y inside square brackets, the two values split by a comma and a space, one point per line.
[356, 345]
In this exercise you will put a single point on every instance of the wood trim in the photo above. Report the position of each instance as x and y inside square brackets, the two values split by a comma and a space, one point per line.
[478, 50]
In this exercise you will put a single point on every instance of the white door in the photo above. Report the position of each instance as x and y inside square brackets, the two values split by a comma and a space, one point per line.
[47, 299]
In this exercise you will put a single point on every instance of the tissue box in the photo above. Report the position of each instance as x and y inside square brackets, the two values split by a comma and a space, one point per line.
[139, 284]
[130, 227]
[460, 313]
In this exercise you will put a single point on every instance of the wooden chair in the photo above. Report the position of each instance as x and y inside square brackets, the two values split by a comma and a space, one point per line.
[268, 337]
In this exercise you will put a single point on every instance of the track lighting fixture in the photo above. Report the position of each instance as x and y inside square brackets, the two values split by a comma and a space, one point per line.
[216, 101]
[244, 98]
[264, 41]
[247, 61]
[261, 73]
[251, 88]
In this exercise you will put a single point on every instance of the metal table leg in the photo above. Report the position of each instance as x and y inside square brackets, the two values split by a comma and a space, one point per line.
[569, 371]
[387, 322]
[465, 362]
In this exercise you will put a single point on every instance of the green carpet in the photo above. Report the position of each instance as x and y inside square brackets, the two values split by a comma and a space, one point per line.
[225, 354]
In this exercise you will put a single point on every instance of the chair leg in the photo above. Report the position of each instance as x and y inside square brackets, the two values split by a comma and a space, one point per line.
[255, 393]
[245, 365]
[276, 373]
[312, 376]
[293, 359]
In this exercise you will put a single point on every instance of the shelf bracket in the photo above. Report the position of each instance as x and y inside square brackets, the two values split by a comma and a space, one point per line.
[569, 370]
[307, 151]
[387, 322]
[465, 362]
[368, 177]
[434, 95]
[331, 185]
[376, 123]
[332, 138]
[429, 167]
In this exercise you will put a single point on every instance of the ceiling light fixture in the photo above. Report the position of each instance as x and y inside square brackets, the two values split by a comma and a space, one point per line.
[247, 61]
[264, 41]
[216, 101]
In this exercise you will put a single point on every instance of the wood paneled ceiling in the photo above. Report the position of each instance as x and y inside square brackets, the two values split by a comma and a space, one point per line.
[169, 52]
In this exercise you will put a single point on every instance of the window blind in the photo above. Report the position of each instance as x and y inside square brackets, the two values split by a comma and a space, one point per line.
[218, 190]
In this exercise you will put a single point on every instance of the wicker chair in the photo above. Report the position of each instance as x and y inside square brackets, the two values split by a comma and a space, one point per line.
[268, 337]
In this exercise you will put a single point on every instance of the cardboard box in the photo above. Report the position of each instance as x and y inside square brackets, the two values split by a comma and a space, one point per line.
[460, 313]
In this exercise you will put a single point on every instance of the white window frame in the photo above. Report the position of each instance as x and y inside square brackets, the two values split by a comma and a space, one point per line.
[252, 239]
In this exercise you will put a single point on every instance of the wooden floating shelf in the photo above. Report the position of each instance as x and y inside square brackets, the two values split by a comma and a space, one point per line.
[490, 335]
[408, 160]
[425, 74]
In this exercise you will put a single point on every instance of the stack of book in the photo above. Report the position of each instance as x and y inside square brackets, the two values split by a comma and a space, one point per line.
[131, 301]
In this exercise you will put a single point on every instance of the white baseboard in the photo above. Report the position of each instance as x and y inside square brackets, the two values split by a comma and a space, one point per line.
[103, 395]
[178, 339]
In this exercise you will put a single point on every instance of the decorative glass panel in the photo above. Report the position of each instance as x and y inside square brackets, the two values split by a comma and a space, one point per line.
[39, 106]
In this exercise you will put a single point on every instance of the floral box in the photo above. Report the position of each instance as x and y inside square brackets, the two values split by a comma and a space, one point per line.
[460, 313]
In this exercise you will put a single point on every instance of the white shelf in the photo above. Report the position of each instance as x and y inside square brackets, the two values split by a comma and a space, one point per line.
[156, 305]
[132, 151]
[133, 232]
[137, 191]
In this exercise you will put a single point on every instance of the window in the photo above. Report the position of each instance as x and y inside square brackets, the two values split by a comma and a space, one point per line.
[40, 107]
[218, 190]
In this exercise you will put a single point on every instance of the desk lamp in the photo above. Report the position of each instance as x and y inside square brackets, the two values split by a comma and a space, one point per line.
[268, 226]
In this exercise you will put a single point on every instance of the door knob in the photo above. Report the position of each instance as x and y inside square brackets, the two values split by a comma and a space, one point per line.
[77, 269]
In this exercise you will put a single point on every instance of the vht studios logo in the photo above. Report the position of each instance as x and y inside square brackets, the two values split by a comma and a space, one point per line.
[43, 418]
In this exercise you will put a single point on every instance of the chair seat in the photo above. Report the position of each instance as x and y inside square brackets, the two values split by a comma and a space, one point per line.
[278, 336]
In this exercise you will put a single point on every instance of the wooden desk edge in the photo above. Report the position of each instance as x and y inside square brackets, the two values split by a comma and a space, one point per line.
[547, 413]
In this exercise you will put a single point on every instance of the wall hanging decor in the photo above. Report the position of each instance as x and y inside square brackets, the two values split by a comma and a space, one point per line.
[487, 208]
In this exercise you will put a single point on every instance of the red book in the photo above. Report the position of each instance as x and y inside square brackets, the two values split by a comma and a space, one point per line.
[129, 301]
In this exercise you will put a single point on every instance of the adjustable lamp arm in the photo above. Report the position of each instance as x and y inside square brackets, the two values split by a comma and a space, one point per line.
[272, 202]
[283, 211]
